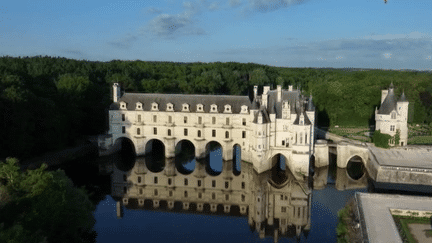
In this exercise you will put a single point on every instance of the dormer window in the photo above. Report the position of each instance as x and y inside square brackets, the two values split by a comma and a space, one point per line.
[213, 108]
[185, 107]
[170, 107]
[123, 105]
[244, 109]
[227, 108]
[139, 106]
[393, 115]
[200, 108]
[154, 106]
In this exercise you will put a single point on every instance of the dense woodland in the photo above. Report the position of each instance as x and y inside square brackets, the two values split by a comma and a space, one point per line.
[50, 103]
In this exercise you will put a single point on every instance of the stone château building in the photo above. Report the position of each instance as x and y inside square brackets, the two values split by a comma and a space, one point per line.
[393, 115]
[276, 122]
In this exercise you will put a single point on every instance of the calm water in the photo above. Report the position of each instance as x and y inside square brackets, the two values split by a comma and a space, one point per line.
[329, 191]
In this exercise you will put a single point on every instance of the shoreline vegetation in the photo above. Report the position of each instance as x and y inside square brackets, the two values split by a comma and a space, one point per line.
[47, 103]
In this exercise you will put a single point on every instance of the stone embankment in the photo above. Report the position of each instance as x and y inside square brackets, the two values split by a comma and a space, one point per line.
[59, 157]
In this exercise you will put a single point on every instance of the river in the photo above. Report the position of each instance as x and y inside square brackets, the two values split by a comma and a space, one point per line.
[113, 177]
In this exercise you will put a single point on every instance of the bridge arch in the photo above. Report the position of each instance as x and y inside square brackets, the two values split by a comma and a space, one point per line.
[214, 157]
[279, 168]
[127, 158]
[155, 155]
[356, 167]
[185, 156]
[237, 159]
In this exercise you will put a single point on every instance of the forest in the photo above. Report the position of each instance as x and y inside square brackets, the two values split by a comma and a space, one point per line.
[50, 103]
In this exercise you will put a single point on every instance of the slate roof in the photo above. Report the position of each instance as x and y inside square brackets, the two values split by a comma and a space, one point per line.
[178, 100]
[264, 114]
[311, 106]
[290, 96]
[403, 98]
[389, 104]
[255, 104]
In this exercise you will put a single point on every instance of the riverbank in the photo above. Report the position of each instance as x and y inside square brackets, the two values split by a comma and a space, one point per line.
[84, 149]
[348, 228]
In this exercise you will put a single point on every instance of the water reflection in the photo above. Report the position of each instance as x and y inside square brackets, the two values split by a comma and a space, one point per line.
[275, 203]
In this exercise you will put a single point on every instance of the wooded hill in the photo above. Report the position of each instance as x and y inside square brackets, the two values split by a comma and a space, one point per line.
[48, 103]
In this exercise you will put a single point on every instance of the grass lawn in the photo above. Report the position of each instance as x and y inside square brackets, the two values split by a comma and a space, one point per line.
[404, 231]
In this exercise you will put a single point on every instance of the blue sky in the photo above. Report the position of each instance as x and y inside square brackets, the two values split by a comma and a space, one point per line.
[286, 33]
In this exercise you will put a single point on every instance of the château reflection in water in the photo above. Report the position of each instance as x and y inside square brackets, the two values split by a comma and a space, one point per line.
[276, 204]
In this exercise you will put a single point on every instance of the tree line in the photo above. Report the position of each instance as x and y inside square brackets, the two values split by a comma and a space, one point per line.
[49, 103]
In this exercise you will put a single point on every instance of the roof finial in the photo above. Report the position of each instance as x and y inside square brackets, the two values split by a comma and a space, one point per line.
[391, 85]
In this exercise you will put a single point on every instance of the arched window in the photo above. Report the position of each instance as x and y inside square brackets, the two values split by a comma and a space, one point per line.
[138, 131]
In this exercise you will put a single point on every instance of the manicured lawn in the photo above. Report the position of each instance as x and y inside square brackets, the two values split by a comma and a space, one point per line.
[420, 140]
[402, 225]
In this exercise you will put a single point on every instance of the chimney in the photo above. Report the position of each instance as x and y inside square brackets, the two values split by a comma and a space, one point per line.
[265, 96]
[279, 93]
[116, 92]
[255, 91]
[290, 88]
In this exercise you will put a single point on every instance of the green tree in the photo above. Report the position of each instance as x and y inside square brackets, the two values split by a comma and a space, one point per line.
[381, 139]
[43, 205]
[397, 137]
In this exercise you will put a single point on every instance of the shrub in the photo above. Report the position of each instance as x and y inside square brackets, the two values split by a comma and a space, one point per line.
[380, 139]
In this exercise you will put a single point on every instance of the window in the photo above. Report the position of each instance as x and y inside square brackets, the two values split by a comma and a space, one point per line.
[124, 189]
[213, 183]
[392, 128]
[199, 133]
[259, 146]
[283, 209]
[185, 132]
[298, 212]
[186, 182]
[393, 115]
[124, 178]
[214, 133]
[169, 119]
[139, 118]
[213, 196]
[243, 197]
[199, 195]
[139, 179]
[138, 131]
[169, 132]
[244, 134]
[243, 185]
[123, 117]
[258, 199]
[244, 121]
[227, 121]
[199, 183]
[226, 197]
[281, 197]
[185, 119]
[199, 120]
[306, 138]
[283, 142]
[154, 118]
[170, 193]
[213, 120]
[301, 137]
[185, 193]
[226, 185]
[155, 192]
[155, 180]
[141, 191]
[123, 129]
[169, 181]
[155, 131]
[226, 134]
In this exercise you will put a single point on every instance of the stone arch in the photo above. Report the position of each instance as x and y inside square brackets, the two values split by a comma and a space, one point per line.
[356, 167]
[214, 164]
[120, 141]
[148, 146]
[185, 151]
[155, 155]
[279, 168]
[237, 158]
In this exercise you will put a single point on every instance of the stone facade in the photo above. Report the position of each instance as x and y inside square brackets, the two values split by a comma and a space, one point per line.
[277, 122]
[393, 115]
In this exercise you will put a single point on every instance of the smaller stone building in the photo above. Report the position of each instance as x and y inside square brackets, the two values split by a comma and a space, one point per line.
[393, 115]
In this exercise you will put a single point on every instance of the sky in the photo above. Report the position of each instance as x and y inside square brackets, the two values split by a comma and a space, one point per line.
[282, 33]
